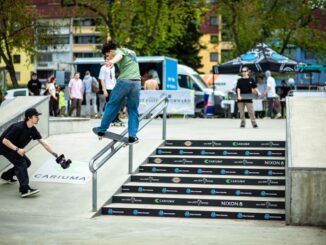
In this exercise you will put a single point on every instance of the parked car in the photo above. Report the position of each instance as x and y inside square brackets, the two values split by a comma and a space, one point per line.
[12, 93]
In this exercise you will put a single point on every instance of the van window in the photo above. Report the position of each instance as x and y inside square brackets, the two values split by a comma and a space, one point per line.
[20, 93]
[187, 82]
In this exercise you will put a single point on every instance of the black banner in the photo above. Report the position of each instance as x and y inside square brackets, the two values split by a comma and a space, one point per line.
[225, 143]
[191, 214]
[212, 171]
[208, 181]
[198, 202]
[203, 191]
[215, 152]
[217, 161]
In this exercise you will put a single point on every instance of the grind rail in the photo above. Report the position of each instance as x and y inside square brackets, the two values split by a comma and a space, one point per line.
[100, 158]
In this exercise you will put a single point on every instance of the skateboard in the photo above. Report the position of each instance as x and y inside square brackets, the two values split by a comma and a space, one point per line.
[113, 136]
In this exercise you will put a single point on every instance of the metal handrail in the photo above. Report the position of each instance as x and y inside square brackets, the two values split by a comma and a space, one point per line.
[114, 146]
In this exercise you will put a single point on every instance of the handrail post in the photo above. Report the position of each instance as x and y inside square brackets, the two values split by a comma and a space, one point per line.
[94, 185]
[164, 121]
[130, 158]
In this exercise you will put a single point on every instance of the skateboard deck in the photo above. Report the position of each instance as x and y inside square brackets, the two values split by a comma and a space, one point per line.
[113, 136]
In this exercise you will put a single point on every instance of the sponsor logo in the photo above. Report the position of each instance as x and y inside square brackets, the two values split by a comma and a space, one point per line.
[135, 212]
[246, 172]
[237, 192]
[202, 152]
[263, 193]
[213, 191]
[274, 163]
[161, 213]
[239, 215]
[199, 171]
[188, 190]
[235, 181]
[157, 160]
[269, 153]
[187, 214]
[177, 170]
[164, 201]
[266, 216]
[176, 180]
[140, 189]
[203, 180]
[181, 152]
[213, 214]
[164, 190]
[225, 153]
[247, 153]
[232, 204]
[270, 172]
[110, 211]
[268, 204]
[159, 151]
[188, 143]
[154, 169]
[222, 171]
[241, 144]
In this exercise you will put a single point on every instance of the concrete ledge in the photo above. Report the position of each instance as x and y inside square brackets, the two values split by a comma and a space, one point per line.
[69, 125]
[308, 197]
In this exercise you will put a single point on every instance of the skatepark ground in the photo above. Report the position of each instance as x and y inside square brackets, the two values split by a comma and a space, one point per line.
[61, 213]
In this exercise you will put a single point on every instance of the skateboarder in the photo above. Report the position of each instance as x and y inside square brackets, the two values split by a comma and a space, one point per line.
[128, 86]
[12, 143]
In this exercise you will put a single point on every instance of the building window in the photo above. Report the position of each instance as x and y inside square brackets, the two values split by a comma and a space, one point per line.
[214, 57]
[87, 55]
[17, 75]
[214, 38]
[16, 59]
[86, 39]
[213, 21]
[46, 57]
[85, 22]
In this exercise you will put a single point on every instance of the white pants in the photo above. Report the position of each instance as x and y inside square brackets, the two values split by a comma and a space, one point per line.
[91, 108]
[102, 103]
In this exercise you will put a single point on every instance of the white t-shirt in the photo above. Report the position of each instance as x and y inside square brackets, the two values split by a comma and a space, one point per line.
[271, 85]
[108, 76]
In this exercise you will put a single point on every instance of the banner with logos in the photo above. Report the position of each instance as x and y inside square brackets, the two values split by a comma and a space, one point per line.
[180, 101]
[50, 171]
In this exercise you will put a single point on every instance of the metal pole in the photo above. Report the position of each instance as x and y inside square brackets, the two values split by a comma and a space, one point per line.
[94, 185]
[164, 123]
[130, 158]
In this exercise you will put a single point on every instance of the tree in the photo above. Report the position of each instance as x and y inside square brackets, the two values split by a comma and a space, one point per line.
[146, 26]
[18, 24]
[279, 22]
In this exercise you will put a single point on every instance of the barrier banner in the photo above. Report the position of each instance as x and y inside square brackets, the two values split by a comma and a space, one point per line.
[180, 101]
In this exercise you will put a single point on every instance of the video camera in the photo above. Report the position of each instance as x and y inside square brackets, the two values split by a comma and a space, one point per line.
[64, 163]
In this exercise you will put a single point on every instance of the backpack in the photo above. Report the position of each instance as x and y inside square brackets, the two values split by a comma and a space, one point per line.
[95, 86]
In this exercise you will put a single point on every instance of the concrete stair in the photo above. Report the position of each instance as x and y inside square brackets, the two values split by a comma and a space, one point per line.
[207, 179]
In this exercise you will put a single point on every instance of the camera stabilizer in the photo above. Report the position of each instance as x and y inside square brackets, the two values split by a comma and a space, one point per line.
[64, 163]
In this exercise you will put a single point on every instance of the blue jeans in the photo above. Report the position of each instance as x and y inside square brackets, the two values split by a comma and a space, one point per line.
[123, 89]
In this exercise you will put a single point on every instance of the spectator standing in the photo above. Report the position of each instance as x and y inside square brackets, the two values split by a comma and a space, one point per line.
[261, 86]
[108, 82]
[34, 85]
[91, 110]
[270, 92]
[283, 93]
[76, 91]
[150, 83]
[53, 97]
[62, 101]
[245, 87]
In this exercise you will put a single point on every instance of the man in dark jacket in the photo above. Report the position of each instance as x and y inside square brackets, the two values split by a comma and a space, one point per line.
[12, 143]
[34, 85]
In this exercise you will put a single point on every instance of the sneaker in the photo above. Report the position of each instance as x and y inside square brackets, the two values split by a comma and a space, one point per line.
[100, 134]
[242, 126]
[133, 140]
[255, 126]
[8, 180]
[29, 192]
[278, 115]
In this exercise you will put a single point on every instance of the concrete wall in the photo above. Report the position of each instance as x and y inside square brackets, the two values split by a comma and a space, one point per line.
[306, 171]
[14, 112]
[65, 125]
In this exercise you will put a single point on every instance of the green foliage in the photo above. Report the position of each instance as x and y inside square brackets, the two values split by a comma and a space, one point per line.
[278, 22]
[18, 25]
[147, 26]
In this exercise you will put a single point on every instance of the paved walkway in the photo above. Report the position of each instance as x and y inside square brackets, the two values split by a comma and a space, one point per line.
[61, 214]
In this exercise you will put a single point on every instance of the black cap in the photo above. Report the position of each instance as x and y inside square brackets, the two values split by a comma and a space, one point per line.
[31, 112]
